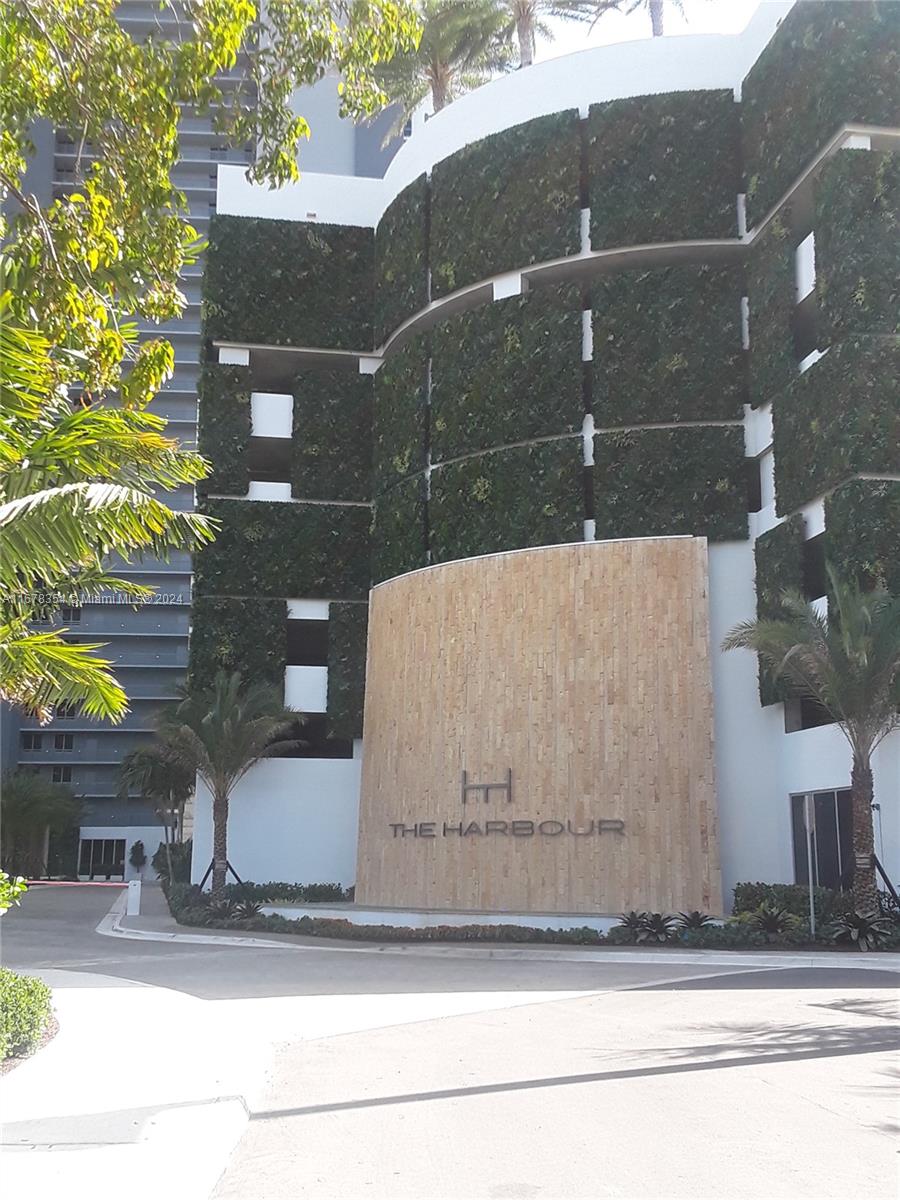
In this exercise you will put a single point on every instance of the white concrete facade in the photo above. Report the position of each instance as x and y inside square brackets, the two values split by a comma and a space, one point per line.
[151, 836]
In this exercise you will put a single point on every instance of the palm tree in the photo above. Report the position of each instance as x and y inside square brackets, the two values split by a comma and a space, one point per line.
[527, 20]
[464, 43]
[218, 733]
[655, 8]
[849, 662]
[162, 780]
[76, 484]
[32, 808]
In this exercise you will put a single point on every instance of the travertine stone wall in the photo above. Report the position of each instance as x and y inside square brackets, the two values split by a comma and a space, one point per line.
[584, 671]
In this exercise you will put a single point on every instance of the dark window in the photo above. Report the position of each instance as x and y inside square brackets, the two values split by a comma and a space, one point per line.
[64, 741]
[830, 838]
[802, 712]
[815, 578]
[307, 643]
[100, 858]
[754, 484]
[70, 614]
[62, 774]
[313, 733]
[269, 459]
[32, 741]
[65, 712]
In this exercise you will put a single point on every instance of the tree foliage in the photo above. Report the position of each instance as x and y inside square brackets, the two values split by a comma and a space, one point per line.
[30, 806]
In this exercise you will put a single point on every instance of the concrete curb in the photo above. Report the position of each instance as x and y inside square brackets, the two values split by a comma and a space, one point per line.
[111, 926]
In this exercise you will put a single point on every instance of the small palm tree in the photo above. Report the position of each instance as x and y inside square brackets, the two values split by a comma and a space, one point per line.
[464, 43]
[527, 19]
[165, 782]
[219, 733]
[849, 662]
[32, 808]
[655, 8]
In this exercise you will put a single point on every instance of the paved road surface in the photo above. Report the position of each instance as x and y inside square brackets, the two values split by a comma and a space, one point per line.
[391, 1076]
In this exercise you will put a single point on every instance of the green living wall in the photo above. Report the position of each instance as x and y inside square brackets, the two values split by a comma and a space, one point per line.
[332, 439]
[507, 372]
[506, 201]
[838, 419]
[661, 482]
[779, 569]
[247, 634]
[862, 531]
[509, 499]
[667, 346]
[827, 64]
[223, 428]
[347, 629]
[289, 283]
[858, 244]
[400, 419]
[772, 362]
[314, 551]
[399, 530]
[401, 259]
[663, 168]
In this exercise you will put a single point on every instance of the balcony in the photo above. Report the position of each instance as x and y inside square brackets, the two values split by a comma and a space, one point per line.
[306, 688]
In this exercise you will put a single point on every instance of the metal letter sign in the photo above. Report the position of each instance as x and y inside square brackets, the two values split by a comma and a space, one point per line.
[487, 788]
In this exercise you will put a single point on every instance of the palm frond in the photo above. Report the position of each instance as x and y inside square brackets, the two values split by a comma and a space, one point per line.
[41, 670]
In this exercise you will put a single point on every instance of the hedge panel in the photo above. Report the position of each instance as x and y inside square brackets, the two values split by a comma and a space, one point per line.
[862, 531]
[513, 498]
[667, 346]
[308, 551]
[401, 259]
[289, 283]
[858, 244]
[399, 539]
[507, 372]
[779, 568]
[347, 630]
[332, 442]
[771, 292]
[840, 418]
[506, 201]
[663, 168]
[247, 635]
[657, 482]
[827, 64]
[399, 423]
[223, 428]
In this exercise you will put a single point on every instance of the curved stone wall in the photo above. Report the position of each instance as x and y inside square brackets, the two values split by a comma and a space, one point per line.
[570, 674]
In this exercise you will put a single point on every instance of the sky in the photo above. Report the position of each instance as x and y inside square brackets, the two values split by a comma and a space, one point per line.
[700, 16]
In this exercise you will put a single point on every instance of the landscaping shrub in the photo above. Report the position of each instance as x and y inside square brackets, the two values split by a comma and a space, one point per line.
[181, 863]
[865, 931]
[299, 893]
[734, 935]
[792, 897]
[224, 428]
[24, 1013]
[347, 638]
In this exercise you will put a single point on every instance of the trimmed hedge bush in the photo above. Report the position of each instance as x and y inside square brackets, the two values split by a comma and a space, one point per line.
[289, 283]
[347, 629]
[332, 441]
[772, 360]
[401, 259]
[24, 1013]
[506, 201]
[840, 418]
[658, 482]
[862, 531]
[285, 550]
[827, 64]
[664, 168]
[247, 635]
[513, 498]
[399, 530]
[858, 244]
[223, 428]
[779, 568]
[507, 372]
[667, 346]
[400, 420]
[792, 898]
